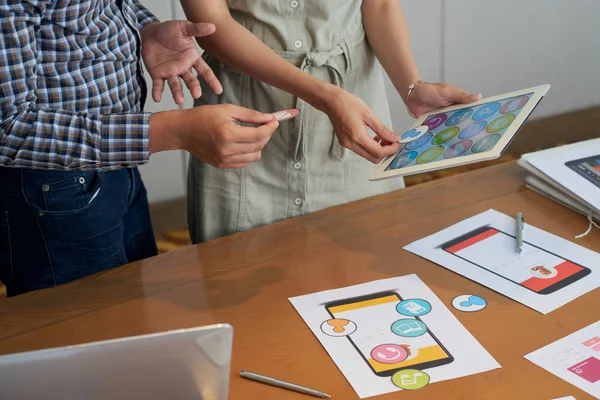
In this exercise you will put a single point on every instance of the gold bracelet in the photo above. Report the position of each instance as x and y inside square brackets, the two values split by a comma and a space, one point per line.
[411, 87]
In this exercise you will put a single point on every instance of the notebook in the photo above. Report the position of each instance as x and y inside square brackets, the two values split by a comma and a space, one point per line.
[569, 175]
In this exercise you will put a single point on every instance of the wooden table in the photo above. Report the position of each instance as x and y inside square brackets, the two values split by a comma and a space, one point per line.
[246, 280]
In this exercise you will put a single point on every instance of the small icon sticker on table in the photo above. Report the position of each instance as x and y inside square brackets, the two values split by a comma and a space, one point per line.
[469, 303]
[410, 379]
[413, 307]
[389, 353]
[408, 327]
[338, 327]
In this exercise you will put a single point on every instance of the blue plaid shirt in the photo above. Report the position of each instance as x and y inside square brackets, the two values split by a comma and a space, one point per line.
[72, 85]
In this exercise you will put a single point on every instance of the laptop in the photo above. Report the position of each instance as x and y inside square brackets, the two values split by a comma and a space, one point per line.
[187, 364]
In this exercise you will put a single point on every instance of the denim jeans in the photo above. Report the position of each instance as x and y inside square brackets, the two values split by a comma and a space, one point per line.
[58, 226]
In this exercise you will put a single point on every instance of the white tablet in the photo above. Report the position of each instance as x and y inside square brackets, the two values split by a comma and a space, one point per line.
[461, 134]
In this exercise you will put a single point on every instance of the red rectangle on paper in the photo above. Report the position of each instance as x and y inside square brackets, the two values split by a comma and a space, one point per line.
[471, 241]
[591, 342]
[565, 270]
[588, 369]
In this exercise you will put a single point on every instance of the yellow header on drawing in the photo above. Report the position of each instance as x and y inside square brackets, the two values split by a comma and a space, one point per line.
[363, 304]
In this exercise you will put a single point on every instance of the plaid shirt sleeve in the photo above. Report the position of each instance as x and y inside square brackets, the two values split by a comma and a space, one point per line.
[32, 136]
[144, 16]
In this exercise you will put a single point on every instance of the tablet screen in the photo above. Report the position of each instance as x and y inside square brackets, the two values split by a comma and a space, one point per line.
[463, 132]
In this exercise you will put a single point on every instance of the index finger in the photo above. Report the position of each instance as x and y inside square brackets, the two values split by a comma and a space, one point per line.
[381, 130]
[208, 76]
[377, 150]
[253, 135]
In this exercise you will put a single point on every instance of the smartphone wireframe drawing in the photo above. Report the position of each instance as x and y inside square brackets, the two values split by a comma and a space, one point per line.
[535, 269]
[379, 335]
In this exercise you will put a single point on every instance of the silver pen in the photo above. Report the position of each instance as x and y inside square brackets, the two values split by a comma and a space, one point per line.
[520, 223]
[282, 384]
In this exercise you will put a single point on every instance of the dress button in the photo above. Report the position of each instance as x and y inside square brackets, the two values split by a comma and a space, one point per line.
[81, 180]
[294, 4]
[298, 44]
[297, 165]
[298, 201]
[46, 188]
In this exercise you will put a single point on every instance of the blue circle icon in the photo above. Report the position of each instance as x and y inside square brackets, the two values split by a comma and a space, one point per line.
[459, 117]
[410, 134]
[472, 130]
[469, 303]
[413, 307]
[422, 141]
[486, 111]
[409, 327]
[402, 160]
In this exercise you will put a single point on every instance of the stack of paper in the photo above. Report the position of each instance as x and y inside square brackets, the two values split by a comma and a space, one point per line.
[568, 174]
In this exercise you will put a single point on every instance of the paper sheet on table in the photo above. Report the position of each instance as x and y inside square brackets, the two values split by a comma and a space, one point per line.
[447, 346]
[574, 358]
[549, 273]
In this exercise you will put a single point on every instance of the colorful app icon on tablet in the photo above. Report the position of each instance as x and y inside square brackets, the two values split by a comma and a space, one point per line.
[403, 160]
[435, 120]
[459, 116]
[514, 104]
[472, 130]
[486, 111]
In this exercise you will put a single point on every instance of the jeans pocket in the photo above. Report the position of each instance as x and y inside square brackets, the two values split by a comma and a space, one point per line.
[72, 194]
[76, 256]
[5, 249]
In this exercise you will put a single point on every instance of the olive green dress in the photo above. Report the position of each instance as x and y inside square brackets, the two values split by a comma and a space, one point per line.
[303, 167]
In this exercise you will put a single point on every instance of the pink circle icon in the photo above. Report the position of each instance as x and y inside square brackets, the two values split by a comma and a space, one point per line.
[514, 104]
[389, 353]
[435, 120]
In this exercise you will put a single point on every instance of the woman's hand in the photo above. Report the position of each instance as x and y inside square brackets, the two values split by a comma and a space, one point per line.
[426, 97]
[350, 117]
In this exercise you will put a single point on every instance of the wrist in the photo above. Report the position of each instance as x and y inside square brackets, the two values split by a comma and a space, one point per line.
[167, 130]
[322, 95]
[408, 89]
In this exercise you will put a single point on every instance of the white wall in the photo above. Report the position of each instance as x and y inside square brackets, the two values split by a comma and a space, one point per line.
[485, 46]
[498, 46]
[164, 175]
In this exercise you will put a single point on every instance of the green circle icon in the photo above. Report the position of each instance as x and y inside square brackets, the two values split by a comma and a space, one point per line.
[430, 155]
[410, 379]
[486, 143]
[445, 135]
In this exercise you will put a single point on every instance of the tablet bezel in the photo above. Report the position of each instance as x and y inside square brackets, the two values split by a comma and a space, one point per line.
[537, 93]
